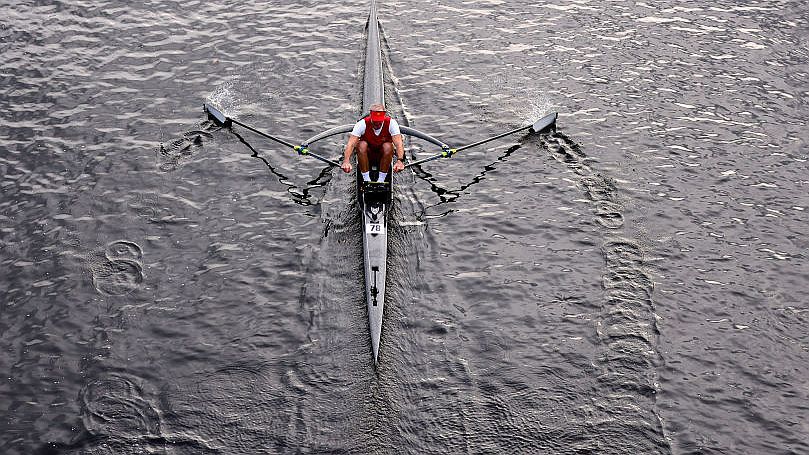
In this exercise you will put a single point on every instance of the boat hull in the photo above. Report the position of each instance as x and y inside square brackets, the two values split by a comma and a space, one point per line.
[375, 207]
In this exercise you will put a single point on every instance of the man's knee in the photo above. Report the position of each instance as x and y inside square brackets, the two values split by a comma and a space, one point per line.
[387, 148]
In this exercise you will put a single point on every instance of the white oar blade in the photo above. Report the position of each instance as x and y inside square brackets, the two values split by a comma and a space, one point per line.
[216, 114]
[545, 123]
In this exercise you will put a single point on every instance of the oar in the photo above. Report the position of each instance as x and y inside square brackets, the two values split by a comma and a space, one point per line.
[545, 123]
[224, 120]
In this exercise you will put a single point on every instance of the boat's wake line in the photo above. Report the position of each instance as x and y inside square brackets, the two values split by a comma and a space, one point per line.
[628, 357]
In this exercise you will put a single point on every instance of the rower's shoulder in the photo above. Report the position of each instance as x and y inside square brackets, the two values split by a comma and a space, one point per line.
[359, 128]
[393, 127]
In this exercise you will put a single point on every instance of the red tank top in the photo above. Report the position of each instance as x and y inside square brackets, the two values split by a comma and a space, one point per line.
[372, 139]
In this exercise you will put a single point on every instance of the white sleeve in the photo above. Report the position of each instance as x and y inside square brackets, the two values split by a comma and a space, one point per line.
[359, 128]
[393, 128]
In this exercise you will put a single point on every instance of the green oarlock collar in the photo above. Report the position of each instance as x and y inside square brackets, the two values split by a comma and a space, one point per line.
[448, 152]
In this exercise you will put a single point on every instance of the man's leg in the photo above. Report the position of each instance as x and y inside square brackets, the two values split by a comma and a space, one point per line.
[387, 157]
[362, 157]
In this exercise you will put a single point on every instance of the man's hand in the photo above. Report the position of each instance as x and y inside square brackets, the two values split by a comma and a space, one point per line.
[399, 166]
[346, 166]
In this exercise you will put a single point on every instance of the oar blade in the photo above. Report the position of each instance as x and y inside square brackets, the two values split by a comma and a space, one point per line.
[216, 115]
[545, 124]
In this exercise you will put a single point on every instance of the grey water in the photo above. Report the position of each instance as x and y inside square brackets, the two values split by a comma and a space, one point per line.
[632, 283]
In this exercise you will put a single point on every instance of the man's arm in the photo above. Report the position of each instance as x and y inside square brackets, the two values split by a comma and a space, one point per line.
[350, 146]
[398, 142]
[349, 150]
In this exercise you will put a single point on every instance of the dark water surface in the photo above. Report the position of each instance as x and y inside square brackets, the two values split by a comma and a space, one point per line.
[633, 283]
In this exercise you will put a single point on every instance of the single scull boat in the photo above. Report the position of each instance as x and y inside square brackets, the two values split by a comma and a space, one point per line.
[375, 205]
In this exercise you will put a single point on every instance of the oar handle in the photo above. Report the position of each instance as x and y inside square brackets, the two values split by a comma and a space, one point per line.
[303, 150]
[425, 160]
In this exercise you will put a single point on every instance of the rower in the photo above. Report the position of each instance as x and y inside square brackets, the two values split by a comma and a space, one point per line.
[374, 137]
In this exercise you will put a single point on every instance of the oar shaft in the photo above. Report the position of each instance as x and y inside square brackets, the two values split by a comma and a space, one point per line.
[261, 133]
[226, 121]
[301, 150]
[492, 138]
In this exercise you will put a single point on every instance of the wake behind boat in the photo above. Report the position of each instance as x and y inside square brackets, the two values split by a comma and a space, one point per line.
[375, 201]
